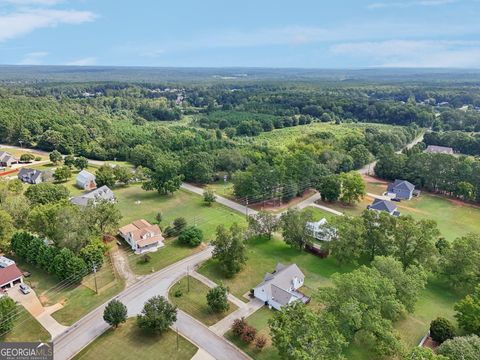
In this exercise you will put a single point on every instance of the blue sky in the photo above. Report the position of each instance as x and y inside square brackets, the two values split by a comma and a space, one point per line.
[260, 33]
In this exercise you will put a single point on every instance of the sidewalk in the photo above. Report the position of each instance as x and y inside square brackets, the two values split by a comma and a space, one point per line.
[244, 309]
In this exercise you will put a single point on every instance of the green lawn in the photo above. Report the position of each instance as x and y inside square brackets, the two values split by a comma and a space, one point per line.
[222, 188]
[128, 342]
[263, 255]
[194, 302]
[259, 320]
[77, 300]
[26, 328]
[319, 214]
[18, 152]
[454, 218]
[135, 203]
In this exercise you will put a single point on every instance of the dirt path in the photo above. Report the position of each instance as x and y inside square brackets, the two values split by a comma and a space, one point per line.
[120, 262]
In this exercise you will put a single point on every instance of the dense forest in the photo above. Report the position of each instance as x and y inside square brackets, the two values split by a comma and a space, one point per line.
[203, 131]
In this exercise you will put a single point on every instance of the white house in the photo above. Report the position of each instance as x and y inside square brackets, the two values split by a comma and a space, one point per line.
[10, 274]
[280, 287]
[86, 180]
[102, 193]
[142, 236]
[320, 230]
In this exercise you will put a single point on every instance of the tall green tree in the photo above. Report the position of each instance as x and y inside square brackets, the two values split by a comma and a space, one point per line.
[6, 230]
[46, 193]
[105, 175]
[217, 299]
[229, 249]
[352, 188]
[115, 313]
[157, 315]
[263, 223]
[299, 333]
[294, 230]
[55, 157]
[348, 244]
[468, 312]
[165, 177]
[8, 314]
[62, 173]
[461, 347]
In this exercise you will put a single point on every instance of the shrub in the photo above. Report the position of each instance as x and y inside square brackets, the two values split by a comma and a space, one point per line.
[461, 347]
[441, 330]
[38, 158]
[179, 224]
[208, 197]
[260, 342]
[191, 236]
[249, 333]
[238, 326]
[178, 293]
[169, 231]
[145, 258]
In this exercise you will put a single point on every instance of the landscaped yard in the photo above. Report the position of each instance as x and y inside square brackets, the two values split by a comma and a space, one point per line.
[128, 342]
[259, 320]
[77, 300]
[135, 203]
[26, 328]
[454, 218]
[19, 152]
[194, 301]
[319, 214]
[263, 255]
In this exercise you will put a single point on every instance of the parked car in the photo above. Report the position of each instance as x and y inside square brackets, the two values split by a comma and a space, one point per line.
[25, 288]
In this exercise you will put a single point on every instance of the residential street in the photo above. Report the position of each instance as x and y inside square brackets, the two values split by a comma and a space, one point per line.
[92, 325]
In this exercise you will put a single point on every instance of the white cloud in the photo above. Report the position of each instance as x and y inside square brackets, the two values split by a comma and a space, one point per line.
[22, 22]
[88, 61]
[406, 4]
[413, 53]
[33, 58]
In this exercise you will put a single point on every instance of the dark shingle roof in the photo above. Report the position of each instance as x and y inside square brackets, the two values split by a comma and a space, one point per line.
[383, 205]
[401, 184]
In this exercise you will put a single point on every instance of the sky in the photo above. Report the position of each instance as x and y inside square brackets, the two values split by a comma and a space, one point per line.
[247, 33]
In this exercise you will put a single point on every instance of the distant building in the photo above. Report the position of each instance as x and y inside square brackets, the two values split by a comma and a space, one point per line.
[95, 196]
[401, 189]
[86, 180]
[384, 205]
[10, 274]
[434, 149]
[30, 176]
[142, 236]
[7, 160]
[281, 287]
[320, 230]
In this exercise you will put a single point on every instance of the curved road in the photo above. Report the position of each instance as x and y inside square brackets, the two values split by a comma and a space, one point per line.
[92, 325]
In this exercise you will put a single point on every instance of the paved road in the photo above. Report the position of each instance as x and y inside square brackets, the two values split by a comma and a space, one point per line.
[92, 325]
[369, 168]
[221, 200]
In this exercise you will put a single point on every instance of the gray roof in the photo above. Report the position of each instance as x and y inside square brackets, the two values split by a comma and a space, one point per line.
[383, 205]
[402, 185]
[5, 157]
[31, 174]
[278, 284]
[102, 193]
[85, 177]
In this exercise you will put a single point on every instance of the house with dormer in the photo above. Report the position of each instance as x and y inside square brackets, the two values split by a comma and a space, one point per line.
[280, 288]
[142, 236]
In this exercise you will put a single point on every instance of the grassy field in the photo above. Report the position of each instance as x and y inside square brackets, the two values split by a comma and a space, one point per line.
[286, 136]
[128, 342]
[77, 300]
[434, 301]
[319, 214]
[135, 203]
[194, 302]
[26, 328]
[263, 255]
[18, 152]
[454, 218]
[259, 320]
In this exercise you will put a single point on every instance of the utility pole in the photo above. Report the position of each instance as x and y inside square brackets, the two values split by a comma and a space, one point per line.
[188, 278]
[246, 208]
[95, 277]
